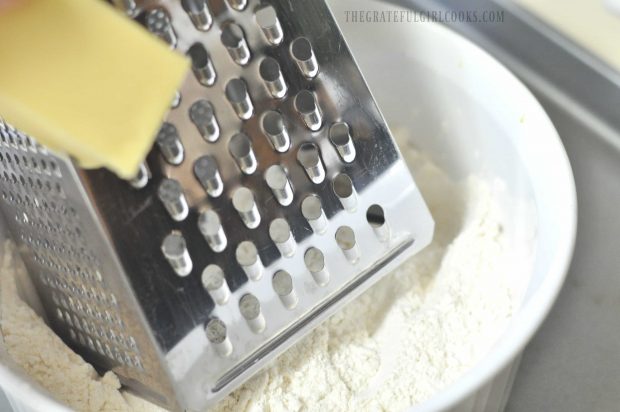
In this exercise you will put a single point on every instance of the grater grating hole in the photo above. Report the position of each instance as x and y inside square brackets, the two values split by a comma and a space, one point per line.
[210, 226]
[237, 94]
[281, 235]
[282, 283]
[314, 259]
[68, 319]
[158, 22]
[198, 12]
[41, 149]
[34, 166]
[202, 66]
[202, 114]
[55, 169]
[312, 210]
[375, 215]
[306, 105]
[238, 5]
[248, 258]
[175, 251]
[113, 300]
[303, 55]
[345, 238]
[244, 203]
[249, 306]
[217, 335]
[271, 74]
[170, 193]
[273, 126]
[277, 180]
[214, 282]
[308, 155]
[343, 188]
[98, 347]
[240, 147]
[268, 21]
[233, 38]
[207, 172]
[169, 144]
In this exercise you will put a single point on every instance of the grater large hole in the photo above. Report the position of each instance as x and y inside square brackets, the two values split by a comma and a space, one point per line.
[282, 283]
[301, 48]
[343, 187]
[304, 102]
[236, 90]
[201, 64]
[198, 12]
[275, 129]
[217, 335]
[207, 172]
[267, 20]
[240, 147]
[306, 105]
[158, 22]
[270, 69]
[278, 182]
[314, 259]
[309, 157]
[248, 258]
[345, 238]
[237, 94]
[214, 282]
[199, 56]
[250, 309]
[238, 5]
[233, 39]
[175, 251]
[375, 216]
[266, 17]
[169, 143]
[211, 228]
[202, 114]
[232, 35]
[273, 123]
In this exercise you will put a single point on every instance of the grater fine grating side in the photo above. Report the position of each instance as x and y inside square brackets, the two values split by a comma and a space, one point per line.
[273, 195]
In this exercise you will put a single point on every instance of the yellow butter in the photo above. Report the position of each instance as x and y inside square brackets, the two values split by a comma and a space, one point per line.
[82, 78]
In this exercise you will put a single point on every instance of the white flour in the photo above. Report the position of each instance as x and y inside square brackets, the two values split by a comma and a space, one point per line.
[410, 335]
[414, 332]
[46, 358]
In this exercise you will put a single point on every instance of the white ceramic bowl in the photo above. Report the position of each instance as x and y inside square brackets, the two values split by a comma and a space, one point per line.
[472, 116]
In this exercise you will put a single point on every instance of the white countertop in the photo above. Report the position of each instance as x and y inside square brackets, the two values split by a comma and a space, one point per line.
[593, 24]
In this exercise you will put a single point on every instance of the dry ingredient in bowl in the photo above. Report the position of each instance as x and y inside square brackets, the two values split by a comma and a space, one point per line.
[414, 332]
[403, 340]
[46, 358]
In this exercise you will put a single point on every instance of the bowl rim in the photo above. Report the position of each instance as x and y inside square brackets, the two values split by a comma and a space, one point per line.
[23, 392]
[533, 312]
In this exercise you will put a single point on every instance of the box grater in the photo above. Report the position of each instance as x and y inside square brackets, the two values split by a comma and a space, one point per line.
[273, 195]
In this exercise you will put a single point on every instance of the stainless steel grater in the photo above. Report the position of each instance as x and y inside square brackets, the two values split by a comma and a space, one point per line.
[274, 194]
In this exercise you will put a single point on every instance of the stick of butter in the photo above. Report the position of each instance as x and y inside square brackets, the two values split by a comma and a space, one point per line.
[83, 79]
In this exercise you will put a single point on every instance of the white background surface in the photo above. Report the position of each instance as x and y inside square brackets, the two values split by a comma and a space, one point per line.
[594, 24]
